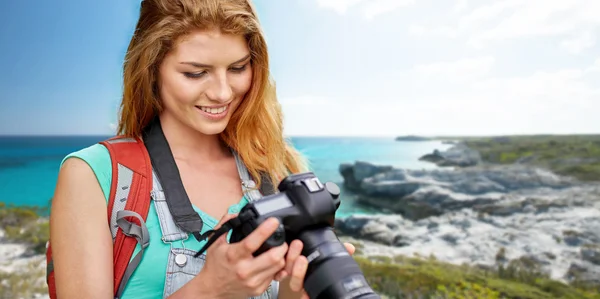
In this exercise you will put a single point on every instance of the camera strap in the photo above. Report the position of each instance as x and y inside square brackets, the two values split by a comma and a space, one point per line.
[165, 167]
[227, 226]
[163, 164]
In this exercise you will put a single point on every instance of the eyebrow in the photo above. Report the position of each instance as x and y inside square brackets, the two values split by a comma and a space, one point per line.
[202, 65]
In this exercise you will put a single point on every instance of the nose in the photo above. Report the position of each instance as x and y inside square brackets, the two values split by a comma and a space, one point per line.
[219, 89]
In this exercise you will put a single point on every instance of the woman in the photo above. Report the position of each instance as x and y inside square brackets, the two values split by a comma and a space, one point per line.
[200, 68]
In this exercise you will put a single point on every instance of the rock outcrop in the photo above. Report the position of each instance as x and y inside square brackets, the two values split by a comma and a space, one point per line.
[473, 214]
[458, 155]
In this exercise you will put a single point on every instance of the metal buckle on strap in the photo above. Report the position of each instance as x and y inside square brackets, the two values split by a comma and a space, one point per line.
[180, 259]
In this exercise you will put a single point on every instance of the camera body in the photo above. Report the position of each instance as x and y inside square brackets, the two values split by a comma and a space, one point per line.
[306, 211]
[304, 203]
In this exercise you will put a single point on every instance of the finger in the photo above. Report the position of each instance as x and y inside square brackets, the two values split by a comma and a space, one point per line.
[270, 261]
[351, 249]
[254, 240]
[266, 266]
[293, 253]
[305, 296]
[223, 238]
[281, 275]
[298, 273]
[224, 219]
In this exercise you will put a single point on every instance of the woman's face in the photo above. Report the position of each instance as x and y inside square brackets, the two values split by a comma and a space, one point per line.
[204, 78]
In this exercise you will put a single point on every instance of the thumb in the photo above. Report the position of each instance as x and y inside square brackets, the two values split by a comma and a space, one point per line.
[223, 238]
[224, 219]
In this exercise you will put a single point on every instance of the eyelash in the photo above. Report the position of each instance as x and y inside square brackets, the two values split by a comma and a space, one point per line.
[200, 74]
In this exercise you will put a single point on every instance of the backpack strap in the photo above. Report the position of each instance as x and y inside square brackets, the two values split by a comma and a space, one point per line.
[129, 200]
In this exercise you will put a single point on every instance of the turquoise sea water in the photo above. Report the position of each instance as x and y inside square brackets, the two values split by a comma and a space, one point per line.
[29, 165]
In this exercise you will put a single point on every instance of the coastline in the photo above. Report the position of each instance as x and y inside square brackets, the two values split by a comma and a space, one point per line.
[22, 269]
[493, 203]
[510, 226]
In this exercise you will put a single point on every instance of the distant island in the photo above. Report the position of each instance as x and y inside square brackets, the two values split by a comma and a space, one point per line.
[412, 138]
[568, 155]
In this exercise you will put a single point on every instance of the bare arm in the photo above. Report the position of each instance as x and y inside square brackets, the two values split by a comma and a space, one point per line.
[81, 242]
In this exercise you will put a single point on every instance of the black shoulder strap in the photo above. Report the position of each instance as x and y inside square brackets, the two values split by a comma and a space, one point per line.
[184, 215]
[166, 169]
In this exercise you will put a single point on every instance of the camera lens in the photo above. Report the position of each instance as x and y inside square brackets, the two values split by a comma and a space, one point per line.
[332, 273]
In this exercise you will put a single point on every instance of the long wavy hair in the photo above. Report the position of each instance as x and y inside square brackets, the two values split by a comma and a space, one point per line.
[255, 130]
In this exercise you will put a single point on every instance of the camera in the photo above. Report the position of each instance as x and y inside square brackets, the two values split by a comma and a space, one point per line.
[306, 210]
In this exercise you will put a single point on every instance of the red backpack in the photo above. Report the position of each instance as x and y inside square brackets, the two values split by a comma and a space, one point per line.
[130, 190]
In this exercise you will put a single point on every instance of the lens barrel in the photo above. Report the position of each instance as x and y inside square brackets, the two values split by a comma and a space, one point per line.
[332, 273]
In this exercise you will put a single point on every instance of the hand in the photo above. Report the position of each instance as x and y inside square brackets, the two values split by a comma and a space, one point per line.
[232, 270]
[295, 268]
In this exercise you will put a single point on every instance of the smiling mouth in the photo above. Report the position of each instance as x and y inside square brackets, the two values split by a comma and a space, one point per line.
[215, 111]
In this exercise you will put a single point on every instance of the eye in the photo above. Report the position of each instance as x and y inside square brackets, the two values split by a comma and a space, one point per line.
[239, 69]
[194, 75]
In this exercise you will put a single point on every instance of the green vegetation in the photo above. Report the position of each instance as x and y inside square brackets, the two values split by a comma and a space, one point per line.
[24, 225]
[405, 277]
[26, 283]
[572, 155]
[394, 277]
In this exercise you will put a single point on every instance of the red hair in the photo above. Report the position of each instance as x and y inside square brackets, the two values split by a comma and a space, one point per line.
[255, 130]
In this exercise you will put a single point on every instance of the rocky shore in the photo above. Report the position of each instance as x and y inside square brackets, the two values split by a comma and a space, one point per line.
[23, 235]
[479, 214]
[22, 273]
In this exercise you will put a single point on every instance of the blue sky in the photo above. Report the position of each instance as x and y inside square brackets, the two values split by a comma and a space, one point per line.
[359, 67]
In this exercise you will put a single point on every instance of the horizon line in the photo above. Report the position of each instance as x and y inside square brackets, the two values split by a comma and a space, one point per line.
[431, 136]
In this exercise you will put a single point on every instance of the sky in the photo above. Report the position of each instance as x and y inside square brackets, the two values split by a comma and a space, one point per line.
[342, 67]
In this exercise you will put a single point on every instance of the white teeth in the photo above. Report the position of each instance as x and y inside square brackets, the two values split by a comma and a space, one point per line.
[214, 110]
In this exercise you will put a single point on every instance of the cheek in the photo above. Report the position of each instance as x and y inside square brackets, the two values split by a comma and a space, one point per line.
[177, 89]
[241, 83]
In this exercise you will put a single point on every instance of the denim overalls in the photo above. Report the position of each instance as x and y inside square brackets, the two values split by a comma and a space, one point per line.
[182, 266]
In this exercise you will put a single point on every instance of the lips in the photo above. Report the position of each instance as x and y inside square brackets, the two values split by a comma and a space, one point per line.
[213, 110]
[214, 113]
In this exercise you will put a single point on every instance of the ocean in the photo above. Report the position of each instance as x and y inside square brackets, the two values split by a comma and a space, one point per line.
[29, 165]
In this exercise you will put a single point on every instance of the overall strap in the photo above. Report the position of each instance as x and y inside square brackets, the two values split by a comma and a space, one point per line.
[248, 185]
[252, 194]
[163, 164]
[170, 231]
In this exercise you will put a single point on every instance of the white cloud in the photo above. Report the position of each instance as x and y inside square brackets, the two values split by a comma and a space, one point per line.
[305, 100]
[375, 8]
[369, 9]
[429, 99]
[595, 67]
[534, 69]
[463, 69]
[460, 6]
[579, 43]
[339, 6]
[512, 19]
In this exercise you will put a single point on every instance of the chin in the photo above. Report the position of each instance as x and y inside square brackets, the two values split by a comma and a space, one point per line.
[210, 128]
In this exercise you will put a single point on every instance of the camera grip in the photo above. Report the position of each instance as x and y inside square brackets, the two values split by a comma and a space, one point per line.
[276, 239]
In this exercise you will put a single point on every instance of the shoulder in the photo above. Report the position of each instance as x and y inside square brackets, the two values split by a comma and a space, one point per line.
[95, 158]
[78, 225]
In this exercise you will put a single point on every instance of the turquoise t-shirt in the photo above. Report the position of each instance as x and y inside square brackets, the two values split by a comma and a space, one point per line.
[147, 282]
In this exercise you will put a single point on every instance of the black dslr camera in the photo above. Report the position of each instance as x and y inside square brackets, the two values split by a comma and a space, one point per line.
[306, 211]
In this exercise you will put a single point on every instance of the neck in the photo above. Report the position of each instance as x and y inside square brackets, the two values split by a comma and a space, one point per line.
[186, 143]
